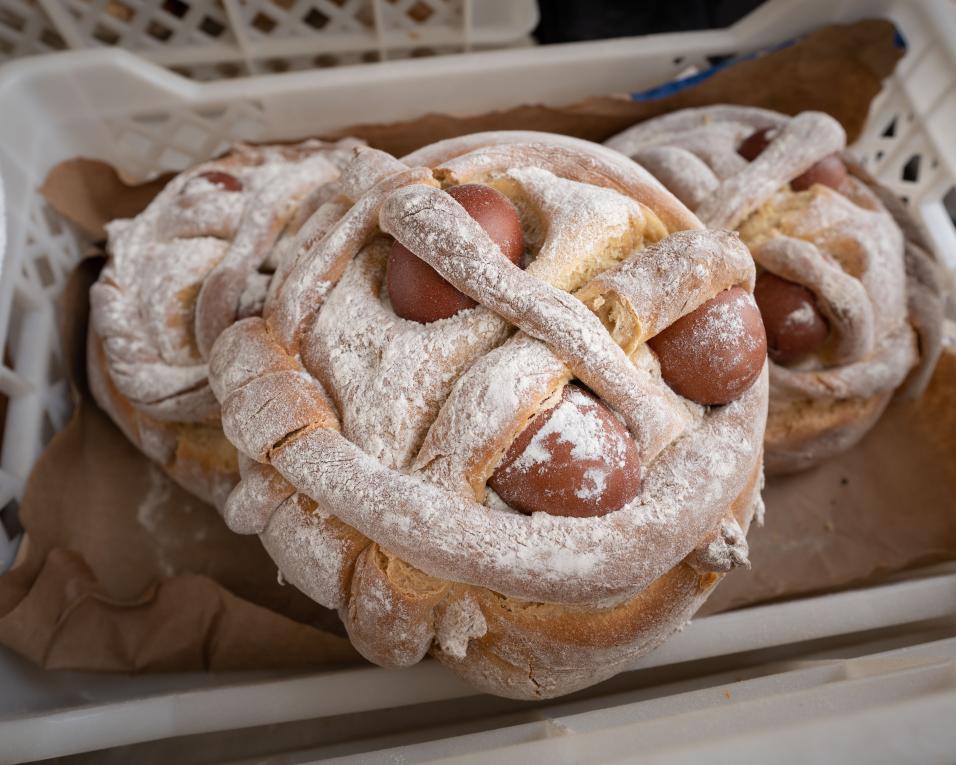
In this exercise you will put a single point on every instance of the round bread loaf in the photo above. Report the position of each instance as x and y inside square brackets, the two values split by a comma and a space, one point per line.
[513, 487]
[852, 308]
[196, 260]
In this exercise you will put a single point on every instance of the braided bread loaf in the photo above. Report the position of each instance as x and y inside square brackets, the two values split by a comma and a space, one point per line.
[848, 315]
[179, 273]
[406, 364]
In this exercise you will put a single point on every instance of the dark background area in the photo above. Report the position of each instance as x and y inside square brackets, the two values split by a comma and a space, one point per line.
[570, 20]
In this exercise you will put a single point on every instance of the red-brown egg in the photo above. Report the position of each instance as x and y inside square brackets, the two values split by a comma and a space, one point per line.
[418, 292]
[224, 181]
[574, 459]
[753, 146]
[829, 171]
[794, 325]
[713, 354]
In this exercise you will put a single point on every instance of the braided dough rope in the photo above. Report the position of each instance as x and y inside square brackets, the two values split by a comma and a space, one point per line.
[884, 310]
[368, 439]
[179, 273]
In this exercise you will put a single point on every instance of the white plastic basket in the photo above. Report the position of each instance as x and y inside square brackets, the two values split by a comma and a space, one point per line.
[112, 105]
[213, 39]
[712, 663]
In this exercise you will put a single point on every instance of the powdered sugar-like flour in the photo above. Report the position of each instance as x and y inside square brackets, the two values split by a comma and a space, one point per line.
[145, 305]
[841, 243]
[399, 396]
[403, 536]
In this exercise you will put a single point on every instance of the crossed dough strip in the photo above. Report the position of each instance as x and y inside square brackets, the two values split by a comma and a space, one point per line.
[842, 245]
[433, 225]
[178, 274]
[355, 501]
[925, 289]
[453, 536]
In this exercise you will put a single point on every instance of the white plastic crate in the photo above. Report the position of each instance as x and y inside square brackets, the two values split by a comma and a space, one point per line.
[64, 713]
[143, 119]
[212, 39]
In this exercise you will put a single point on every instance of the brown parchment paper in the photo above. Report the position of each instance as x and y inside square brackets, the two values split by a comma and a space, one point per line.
[887, 505]
[122, 570]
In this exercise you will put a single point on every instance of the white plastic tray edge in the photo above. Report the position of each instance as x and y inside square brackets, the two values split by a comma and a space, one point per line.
[348, 691]
[889, 706]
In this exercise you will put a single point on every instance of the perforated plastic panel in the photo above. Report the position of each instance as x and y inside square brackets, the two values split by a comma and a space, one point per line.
[26, 30]
[213, 39]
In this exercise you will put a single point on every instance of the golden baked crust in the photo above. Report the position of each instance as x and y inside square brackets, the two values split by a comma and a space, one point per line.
[197, 456]
[802, 433]
[188, 266]
[368, 439]
[537, 650]
[876, 288]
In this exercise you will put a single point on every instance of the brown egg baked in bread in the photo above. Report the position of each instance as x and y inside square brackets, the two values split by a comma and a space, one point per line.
[198, 258]
[852, 308]
[453, 428]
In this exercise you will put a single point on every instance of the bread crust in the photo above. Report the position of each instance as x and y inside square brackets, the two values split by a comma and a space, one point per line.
[801, 434]
[369, 489]
[178, 274]
[197, 456]
[856, 248]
